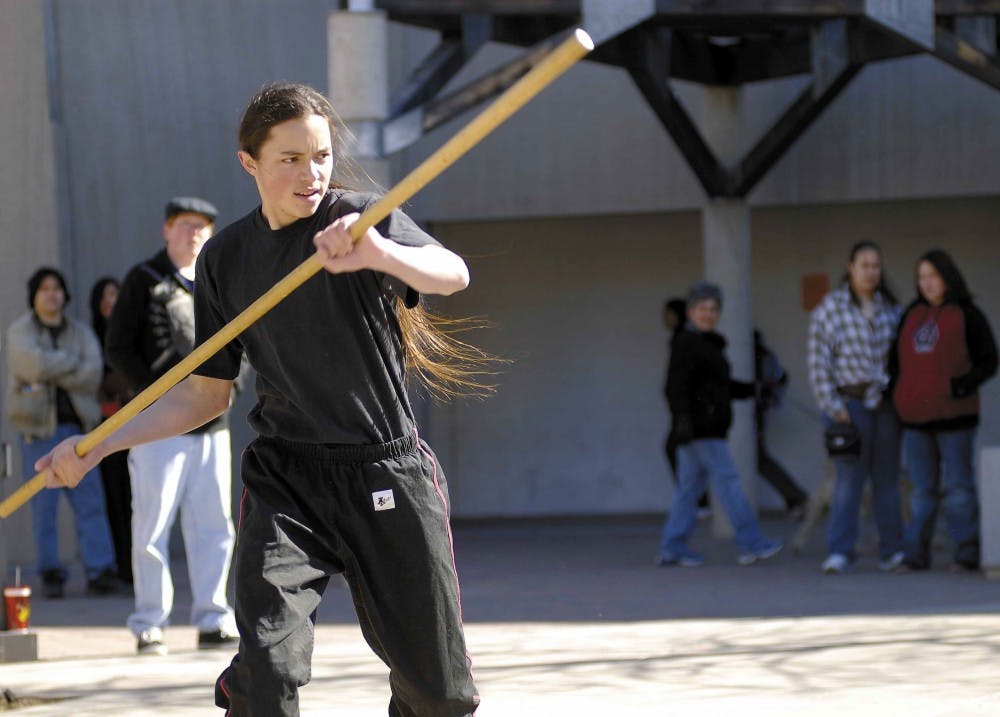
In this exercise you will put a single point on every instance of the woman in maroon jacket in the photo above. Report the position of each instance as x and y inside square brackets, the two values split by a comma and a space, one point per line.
[944, 352]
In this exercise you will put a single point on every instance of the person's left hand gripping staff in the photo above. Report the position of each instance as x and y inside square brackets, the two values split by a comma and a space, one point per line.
[63, 467]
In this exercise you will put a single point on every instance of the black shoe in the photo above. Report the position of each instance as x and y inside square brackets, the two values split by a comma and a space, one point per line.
[106, 583]
[217, 639]
[53, 583]
[964, 566]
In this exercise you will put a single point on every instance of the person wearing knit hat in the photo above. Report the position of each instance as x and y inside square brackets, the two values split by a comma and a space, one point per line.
[705, 290]
[53, 371]
[699, 391]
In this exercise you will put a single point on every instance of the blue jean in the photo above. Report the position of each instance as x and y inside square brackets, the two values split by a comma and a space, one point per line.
[879, 461]
[698, 463]
[926, 452]
[87, 501]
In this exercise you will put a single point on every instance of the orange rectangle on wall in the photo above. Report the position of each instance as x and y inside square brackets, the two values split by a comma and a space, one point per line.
[814, 288]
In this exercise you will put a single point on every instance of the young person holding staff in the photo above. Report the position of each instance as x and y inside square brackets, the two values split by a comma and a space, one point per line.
[338, 480]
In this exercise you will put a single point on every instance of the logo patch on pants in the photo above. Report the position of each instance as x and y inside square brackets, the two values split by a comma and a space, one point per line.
[383, 500]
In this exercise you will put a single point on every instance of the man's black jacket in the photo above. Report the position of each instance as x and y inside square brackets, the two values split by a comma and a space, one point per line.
[699, 386]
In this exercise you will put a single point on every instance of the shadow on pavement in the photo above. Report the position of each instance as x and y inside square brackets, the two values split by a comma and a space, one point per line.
[601, 570]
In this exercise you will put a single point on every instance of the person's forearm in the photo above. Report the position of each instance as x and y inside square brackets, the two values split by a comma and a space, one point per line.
[188, 405]
[427, 269]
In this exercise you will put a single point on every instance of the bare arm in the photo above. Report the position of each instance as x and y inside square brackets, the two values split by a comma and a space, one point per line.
[428, 269]
[191, 403]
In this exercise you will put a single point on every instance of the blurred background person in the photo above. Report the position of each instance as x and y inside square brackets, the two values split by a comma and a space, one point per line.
[772, 379]
[699, 390]
[944, 353]
[150, 330]
[112, 394]
[851, 333]
[674, 318]
[53, 371]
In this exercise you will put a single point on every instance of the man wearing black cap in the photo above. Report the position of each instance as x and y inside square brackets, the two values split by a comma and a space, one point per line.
[150, 330]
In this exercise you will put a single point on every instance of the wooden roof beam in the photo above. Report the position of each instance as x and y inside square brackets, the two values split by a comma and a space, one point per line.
[443, 63]
[649, 69]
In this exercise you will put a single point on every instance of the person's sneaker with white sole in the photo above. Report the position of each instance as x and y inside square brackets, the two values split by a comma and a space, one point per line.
[836, 564]
[766, 549]
[151, 642]
[892, 562]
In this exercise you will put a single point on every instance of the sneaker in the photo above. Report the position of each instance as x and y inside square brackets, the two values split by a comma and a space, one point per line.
[766, 549]
[684, 560]
[53, 583]
[215, 639]
[836, 564]
[963, 566]
[106, 583]
[892, 562]
[151, 642]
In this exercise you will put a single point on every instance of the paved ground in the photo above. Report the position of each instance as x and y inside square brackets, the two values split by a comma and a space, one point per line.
[573, 618]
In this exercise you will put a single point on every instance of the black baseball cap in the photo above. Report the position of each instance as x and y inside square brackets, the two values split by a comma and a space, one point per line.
[180, 205]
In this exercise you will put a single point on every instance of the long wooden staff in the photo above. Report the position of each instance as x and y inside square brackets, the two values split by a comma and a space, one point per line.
[557, 62]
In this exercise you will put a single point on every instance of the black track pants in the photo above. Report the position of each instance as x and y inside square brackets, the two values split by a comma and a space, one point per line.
[379, 515]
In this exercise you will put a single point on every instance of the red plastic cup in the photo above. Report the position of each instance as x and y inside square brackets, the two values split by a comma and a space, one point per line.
[17, 604]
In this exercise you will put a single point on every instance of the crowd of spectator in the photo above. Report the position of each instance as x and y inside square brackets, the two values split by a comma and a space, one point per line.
[898, 390]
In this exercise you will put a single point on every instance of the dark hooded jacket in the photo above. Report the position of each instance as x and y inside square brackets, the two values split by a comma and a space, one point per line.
[699, 386]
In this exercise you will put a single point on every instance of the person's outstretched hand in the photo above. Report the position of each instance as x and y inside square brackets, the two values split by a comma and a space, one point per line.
[63, 467]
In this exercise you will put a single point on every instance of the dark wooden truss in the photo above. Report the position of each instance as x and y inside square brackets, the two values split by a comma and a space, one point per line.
[712, 42]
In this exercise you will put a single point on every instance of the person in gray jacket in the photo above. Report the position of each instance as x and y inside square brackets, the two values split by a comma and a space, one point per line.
[53, 371]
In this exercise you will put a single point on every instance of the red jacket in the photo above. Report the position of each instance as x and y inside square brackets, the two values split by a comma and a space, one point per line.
[933, 364]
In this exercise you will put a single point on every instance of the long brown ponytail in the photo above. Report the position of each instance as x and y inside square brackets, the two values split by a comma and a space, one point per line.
[447, 366]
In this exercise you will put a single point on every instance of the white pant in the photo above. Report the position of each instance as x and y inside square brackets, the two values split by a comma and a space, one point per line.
[191, 473]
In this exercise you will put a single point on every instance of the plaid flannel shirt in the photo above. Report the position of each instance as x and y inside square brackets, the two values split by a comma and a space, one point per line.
[846, 349]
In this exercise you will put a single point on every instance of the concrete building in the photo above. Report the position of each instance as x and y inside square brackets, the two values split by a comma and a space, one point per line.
[578, 218]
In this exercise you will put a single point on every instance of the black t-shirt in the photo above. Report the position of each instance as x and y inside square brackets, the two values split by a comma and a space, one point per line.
[328, 357]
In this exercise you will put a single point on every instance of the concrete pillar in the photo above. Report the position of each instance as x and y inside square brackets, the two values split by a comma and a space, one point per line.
[989, 510]
[358, 78]
[726, 246]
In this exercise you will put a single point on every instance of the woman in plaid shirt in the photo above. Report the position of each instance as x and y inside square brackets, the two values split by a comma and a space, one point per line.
[850, 337]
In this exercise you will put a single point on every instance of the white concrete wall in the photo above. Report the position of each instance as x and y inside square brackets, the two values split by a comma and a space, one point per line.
[29, 232]
[578, 421]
